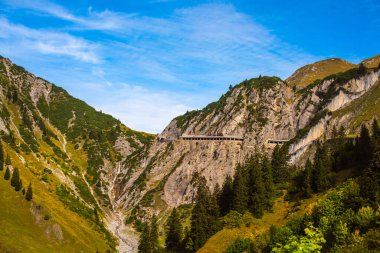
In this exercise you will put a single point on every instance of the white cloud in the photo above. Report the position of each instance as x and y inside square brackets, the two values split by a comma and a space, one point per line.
[141, 108]
[20, 37]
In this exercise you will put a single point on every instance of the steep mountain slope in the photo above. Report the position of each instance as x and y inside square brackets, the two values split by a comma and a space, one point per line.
[258, 110]
[318, 70]
[68, 151]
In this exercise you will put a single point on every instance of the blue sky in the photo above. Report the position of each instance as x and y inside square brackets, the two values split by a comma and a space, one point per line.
[145, 62]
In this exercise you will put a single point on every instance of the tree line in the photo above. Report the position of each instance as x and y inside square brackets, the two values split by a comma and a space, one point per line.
[360, 154]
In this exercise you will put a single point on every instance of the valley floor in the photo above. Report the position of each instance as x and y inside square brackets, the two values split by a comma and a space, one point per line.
[127, 237]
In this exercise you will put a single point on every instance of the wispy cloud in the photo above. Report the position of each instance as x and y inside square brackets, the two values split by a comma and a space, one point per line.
[22, 38]
[143, 108]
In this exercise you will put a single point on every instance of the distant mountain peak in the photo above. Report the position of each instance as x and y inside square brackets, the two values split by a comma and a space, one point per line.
[318, 70]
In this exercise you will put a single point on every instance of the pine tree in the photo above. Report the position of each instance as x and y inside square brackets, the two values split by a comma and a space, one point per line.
[280, 164]
[226, 196]
[18, 187]
[153, 235]
[256, 186]
[364, 148]
[189, 246]
[15, 180]
[306, 179]
[217, 194]
[7, 174]
[268, 181]
[369, 188]
[174, 235]
[375, 135]
[362, 69]
[1, 156]
[375, 167]
[144, 243]
[322, 169]
[29, 193]
[204, 216]
[240, 190]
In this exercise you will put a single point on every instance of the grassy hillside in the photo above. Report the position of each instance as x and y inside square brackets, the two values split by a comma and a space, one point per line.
[318, 70]
[24, 231]
[65, 148]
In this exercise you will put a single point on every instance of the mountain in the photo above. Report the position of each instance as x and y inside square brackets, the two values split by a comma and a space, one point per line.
[318, 70]
[96, 180]
[71, 154]
[257, 110]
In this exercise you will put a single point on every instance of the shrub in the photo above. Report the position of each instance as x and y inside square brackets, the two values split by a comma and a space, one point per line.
[233, 219]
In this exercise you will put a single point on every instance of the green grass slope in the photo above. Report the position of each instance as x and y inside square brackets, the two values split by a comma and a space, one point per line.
[318, 70]
[24, 231]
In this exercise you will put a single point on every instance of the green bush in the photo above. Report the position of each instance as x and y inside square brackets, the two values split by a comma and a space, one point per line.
[233, 219]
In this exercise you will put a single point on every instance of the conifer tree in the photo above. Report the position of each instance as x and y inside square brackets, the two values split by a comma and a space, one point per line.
[375, 167]
[280, 164]
[322, 169]
[362, 69]
[226, 196]
[153, 235]
[29, 193]
[144, 243]
[204, 216]
[174, 235]
[256, 187]
[364, 148]
[189, 246]
[369, 188]
[7, 174]
[18, 187]
[15, 180]
[240, 190]
[375, 135]
[307, 179]
[1, 156]
[217, 194]
[268, 181]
